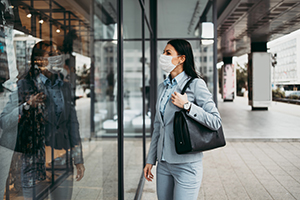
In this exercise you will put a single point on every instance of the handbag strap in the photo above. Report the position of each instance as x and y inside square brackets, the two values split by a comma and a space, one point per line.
[186, 85]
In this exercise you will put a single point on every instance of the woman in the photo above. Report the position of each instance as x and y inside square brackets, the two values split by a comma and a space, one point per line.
[178, 176]
[47, 119]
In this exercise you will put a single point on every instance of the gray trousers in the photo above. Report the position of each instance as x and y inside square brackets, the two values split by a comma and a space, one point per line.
[178, 181]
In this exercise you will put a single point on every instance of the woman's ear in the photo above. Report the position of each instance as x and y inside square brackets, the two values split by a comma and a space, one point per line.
[182, 59]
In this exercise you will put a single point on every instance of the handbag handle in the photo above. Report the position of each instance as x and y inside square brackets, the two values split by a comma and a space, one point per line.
[186, 85]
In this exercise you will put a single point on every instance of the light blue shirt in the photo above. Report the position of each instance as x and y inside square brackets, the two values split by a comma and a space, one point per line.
[55, 93]
[170, 88]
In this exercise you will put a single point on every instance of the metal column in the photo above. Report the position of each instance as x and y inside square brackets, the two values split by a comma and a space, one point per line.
[144, 89]
[120, 103]
[215, 70]
[153, 69]
[92, 71]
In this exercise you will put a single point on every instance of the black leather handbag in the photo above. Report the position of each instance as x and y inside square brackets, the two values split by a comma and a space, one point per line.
[191, 136]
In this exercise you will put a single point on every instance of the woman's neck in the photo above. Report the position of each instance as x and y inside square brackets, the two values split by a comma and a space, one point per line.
[50, 76]
[176, 71]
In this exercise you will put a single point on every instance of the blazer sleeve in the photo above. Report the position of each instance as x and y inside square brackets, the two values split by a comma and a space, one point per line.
[74, 135]
[152, 154]
[204, 109]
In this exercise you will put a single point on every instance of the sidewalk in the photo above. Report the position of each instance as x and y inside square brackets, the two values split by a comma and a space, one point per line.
[261, 159]
[281, 121]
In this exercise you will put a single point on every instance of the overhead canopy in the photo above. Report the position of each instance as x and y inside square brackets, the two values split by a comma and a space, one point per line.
[242, 22]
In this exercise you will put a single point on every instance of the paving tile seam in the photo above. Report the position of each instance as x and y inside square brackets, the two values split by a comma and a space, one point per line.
[262, 139]
[279, 152]
[291, 193]
[273, 174]
[280, 165]
[204, 191]
[257, 178]
[226, 155]
[262, 165]
[291, 144]
[297, 146]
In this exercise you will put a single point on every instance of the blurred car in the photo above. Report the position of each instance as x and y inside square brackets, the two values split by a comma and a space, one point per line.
[292, 93]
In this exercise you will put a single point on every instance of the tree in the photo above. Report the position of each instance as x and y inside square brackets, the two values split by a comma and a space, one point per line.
[241, 78]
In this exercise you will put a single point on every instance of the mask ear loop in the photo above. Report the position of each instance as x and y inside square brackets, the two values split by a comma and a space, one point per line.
[37, 70]
[179, 61]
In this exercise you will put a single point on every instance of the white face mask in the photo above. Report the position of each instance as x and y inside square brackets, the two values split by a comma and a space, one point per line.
[55, 64]
[165, 62]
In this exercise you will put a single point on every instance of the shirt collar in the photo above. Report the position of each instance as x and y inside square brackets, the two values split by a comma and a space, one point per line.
[177, 79]
[46, 81]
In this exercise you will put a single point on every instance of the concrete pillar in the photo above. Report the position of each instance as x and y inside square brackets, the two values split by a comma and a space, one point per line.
[259, 77]
[228, 80]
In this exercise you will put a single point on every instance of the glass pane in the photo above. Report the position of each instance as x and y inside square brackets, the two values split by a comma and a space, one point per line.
[133, 114]
[105, 19]
[43, 121]
[179, 23]
[106, 118]
[106, 88]
[147, 11]
[47, 123]
[147, 31]
[147, 8]
[204, 61]
[132, 19]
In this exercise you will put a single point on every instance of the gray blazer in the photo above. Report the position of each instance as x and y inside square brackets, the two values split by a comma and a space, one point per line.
[203, 110]
[65, 129]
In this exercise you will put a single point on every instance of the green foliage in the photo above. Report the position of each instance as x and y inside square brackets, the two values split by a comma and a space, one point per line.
[278, 94]
[241, 78]
[294, 97]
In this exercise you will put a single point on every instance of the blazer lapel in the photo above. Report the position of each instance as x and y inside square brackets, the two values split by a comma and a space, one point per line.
[64, 109]
[160, 93]
[50, 108]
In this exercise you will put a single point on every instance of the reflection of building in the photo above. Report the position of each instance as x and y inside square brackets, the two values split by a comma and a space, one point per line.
[204, 63]
[4, 71]
[34, 21]
[106, 89]
[286, 52]
[23, 47]
[228, 82]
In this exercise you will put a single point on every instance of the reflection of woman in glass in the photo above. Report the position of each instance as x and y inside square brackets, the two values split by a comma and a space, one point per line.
[47, 117]
[178, 175]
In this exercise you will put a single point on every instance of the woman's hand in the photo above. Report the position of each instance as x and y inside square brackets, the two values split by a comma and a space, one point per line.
[36, 99]
[178, 99]
[147, 172]
[80, 171]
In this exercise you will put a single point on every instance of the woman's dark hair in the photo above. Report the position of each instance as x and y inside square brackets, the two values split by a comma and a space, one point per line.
[183, 47]
[38, 50]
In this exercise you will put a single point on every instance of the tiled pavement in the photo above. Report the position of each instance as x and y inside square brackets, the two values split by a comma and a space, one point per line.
[248, 170]
[261, 159]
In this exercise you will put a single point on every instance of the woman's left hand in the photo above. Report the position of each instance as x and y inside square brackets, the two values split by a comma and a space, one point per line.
[80, 171]
[178, 99]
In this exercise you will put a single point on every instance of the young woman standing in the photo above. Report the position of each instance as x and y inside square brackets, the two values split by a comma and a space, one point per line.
[179, 176]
